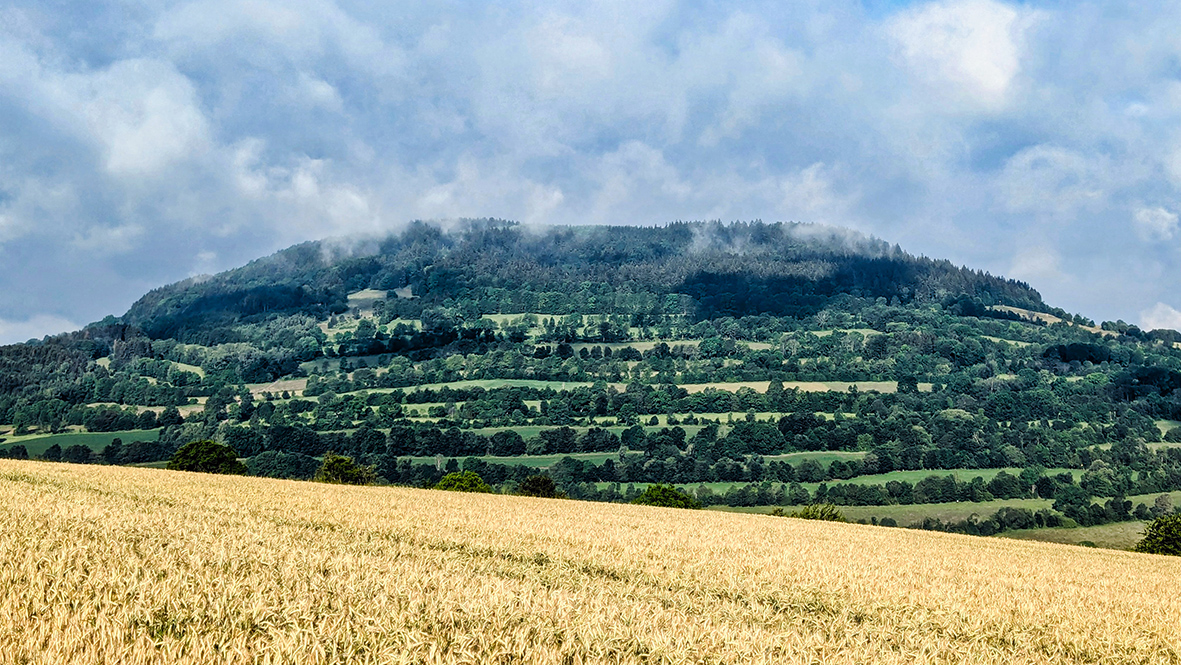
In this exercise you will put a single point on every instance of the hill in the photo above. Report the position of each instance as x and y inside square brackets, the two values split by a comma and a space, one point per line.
[714, 269]
[130, 565]
[753, 365]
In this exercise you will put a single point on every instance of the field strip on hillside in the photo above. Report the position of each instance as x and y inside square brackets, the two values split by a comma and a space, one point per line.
[803, 386]
[109, 564]
[691, 388]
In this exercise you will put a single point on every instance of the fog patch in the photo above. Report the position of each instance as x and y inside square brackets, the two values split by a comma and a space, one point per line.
[35, 327]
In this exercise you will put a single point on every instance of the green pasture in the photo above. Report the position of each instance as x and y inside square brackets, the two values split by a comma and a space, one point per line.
[96, 441]
[822, 457]
[532, 461]
[1001, 340]
[1165, 425]
[161, 464]
[1116, 536]
[900, 476]
[906, 515]
[530, 431]
[190, 368]
[804, 386]
[825, 333]
[491, 384]
[365, 297]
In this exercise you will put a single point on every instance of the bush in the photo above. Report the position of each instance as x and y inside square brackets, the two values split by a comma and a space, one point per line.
[342, 470]
[666, 496]
[819, 511]
[1162, 536]
[539, 485]
[463, 481]
[206, 457]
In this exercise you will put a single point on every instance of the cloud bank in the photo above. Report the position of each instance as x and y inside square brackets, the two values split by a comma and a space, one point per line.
[141, 144]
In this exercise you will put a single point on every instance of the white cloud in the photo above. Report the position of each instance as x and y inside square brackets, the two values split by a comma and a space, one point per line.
[970, 48]
[144, 113]
[114, 240]
[1154, 224]
[34, 327]
[810, 195]
[1053, 181]
[1159, 316]
[317, 92]
[1037, 265]
[197, 136]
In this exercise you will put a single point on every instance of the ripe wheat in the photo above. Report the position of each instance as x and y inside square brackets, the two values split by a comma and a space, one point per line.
[119, 565]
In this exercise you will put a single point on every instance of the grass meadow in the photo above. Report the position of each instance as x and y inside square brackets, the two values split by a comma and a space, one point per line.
[1117, 536]
[96, 441]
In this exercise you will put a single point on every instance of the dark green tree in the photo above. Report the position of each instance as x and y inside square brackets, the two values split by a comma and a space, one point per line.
[342, 470]
[206, 456]
[463, 481]
[113, 452]
[170, 417]
[15, 452]
[77, 454]
[666, 496]
[278, 464]
[539, 485]
[1162, 536]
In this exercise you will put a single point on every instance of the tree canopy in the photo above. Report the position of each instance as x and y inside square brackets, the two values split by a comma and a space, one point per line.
[206, 456]
[666, 496]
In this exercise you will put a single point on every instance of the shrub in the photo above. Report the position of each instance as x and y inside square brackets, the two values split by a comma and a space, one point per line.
[1162, 536]
[342, 470]
[819, 511]
[463, 481]
[206, 457]
[666, 496]
[540, 485]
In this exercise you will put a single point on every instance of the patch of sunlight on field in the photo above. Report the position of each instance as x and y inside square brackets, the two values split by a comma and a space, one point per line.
[122, 565]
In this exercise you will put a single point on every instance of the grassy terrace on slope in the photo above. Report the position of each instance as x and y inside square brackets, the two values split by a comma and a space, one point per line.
[187, 568]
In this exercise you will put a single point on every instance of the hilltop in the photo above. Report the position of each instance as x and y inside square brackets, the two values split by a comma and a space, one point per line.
[711, 270]
[753, 365]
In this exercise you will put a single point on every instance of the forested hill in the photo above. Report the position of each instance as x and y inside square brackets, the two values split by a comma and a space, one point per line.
[700, 270]
[756, 362]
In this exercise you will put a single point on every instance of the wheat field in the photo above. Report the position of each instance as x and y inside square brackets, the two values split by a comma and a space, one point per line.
[121, 565]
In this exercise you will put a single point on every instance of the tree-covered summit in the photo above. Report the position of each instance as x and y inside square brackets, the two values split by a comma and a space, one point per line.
[704, 270]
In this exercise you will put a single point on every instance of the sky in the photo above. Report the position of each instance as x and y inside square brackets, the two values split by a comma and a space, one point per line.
[143, 143]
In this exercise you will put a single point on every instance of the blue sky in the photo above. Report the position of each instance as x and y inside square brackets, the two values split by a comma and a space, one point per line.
[142, 143]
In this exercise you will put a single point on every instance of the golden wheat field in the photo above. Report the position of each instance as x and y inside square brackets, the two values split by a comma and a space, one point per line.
[119, 565]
